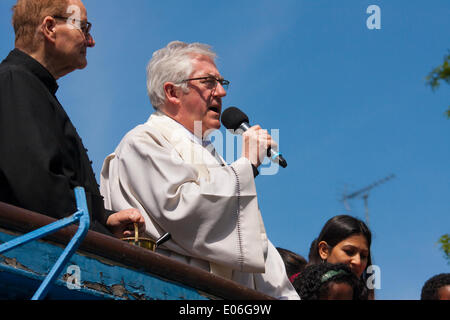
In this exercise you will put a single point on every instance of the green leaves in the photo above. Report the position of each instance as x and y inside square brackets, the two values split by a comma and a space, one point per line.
[444, 242]
[438, 74]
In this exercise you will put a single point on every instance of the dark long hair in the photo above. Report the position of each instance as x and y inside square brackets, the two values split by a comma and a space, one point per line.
[293, 262]
[336, 230]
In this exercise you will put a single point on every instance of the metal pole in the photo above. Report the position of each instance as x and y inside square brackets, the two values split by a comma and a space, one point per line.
[366, 205]
[83, 216]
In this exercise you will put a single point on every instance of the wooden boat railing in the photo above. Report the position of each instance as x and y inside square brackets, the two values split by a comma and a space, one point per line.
[105, 247]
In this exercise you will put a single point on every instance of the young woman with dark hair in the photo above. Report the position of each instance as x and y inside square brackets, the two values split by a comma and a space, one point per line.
[344, 239]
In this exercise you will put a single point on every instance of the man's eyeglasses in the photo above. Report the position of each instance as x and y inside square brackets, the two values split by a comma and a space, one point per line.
[211, 82]
[84, 26]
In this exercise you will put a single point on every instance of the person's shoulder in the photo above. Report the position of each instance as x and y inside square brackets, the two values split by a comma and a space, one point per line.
[14, 73]
[138, 131]
[138, 136]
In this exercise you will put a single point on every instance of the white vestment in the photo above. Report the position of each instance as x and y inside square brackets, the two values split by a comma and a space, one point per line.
[210, 209]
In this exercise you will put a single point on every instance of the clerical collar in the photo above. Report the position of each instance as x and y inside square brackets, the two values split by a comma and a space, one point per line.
[18, 57]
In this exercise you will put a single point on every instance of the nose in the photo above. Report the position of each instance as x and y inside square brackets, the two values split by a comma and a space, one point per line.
[356, 264]
[90, 42]
[219, 91]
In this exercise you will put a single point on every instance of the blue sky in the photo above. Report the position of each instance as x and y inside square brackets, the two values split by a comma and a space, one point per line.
[351, 105]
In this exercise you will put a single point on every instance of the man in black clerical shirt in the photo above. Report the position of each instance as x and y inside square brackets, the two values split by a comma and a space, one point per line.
[42, 157]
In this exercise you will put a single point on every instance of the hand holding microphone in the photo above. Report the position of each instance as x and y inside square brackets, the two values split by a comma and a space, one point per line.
[257, 143]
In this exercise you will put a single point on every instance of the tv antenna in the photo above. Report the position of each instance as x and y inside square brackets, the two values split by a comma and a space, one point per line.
[364, 193]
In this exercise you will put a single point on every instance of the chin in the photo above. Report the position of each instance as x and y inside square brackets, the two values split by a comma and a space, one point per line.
[82, 65]
[215, 126]
[211, 128]
[82, 62]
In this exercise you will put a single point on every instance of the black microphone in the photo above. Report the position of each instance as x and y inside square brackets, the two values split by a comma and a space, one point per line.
[234, 119]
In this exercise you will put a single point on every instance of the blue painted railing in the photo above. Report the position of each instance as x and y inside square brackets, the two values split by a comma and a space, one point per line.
[81, 216]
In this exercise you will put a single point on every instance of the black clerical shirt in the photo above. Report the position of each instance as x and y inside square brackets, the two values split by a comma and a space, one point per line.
[42, 158]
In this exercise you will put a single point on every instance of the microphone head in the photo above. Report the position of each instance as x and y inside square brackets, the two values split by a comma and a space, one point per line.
[233, 117]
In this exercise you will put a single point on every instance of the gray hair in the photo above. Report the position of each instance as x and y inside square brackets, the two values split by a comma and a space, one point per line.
[172, 63]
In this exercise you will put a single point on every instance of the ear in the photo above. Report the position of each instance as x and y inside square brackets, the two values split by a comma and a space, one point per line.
[172, 92]
[323, 250]
[48, 28]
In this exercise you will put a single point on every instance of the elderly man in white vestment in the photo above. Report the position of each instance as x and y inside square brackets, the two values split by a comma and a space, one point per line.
[168, 169]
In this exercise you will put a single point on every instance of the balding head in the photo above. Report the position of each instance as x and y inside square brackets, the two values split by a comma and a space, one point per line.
[28, 16]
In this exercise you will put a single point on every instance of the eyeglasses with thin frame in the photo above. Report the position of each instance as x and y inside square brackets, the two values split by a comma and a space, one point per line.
[211, 82]
[85, 26]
